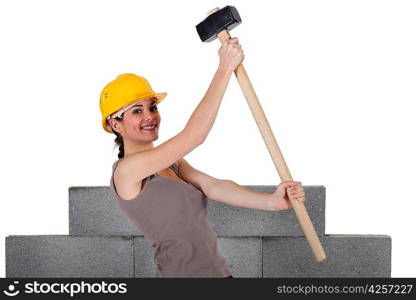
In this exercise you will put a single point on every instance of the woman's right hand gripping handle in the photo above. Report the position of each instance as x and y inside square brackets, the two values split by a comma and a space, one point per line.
[231, 54]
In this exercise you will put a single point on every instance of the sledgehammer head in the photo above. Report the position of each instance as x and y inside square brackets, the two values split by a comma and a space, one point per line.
[225, 18]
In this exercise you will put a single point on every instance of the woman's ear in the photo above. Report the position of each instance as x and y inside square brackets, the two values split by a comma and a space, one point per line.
[114, 124]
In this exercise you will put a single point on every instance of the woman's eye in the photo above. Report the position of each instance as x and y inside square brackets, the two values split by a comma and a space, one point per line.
[152, 108]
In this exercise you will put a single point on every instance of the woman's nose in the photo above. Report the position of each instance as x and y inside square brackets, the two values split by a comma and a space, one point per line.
[147, 114]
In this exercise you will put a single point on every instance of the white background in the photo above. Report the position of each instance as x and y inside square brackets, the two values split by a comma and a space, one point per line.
[336, 80]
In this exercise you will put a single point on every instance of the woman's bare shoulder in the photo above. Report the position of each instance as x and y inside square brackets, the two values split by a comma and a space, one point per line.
[127, 186]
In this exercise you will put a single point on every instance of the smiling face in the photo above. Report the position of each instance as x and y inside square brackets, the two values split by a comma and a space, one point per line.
[140, 122]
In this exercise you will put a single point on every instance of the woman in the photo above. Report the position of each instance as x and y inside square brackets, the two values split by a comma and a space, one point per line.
[162, 194]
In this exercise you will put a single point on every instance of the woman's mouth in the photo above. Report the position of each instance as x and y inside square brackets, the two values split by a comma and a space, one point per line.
[150, 128]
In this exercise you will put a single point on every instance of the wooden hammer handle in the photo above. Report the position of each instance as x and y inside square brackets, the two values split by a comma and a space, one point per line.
[275, 153]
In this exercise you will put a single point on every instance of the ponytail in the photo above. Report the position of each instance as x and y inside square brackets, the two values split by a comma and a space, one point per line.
[119, 142]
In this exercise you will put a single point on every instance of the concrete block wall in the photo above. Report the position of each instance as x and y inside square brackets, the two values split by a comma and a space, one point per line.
[102, 242]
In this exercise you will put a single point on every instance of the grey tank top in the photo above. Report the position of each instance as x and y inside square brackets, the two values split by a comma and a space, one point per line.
[172, 215]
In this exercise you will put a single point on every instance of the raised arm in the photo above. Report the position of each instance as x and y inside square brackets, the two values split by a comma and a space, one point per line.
[145, 163]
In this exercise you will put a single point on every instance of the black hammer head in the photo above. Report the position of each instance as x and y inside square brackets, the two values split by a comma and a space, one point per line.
[225, 18]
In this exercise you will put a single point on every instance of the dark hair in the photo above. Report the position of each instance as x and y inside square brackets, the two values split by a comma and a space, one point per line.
[119, 141]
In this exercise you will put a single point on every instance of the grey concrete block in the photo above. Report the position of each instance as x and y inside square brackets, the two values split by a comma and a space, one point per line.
[69, 256]
[75, 256]
[93, 212]
[243, 256]
[347, 256]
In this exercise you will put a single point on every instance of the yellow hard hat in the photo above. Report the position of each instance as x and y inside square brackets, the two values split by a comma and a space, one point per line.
[127, 88]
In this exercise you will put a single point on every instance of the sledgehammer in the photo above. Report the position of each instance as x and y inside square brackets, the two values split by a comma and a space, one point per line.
[217, 24]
